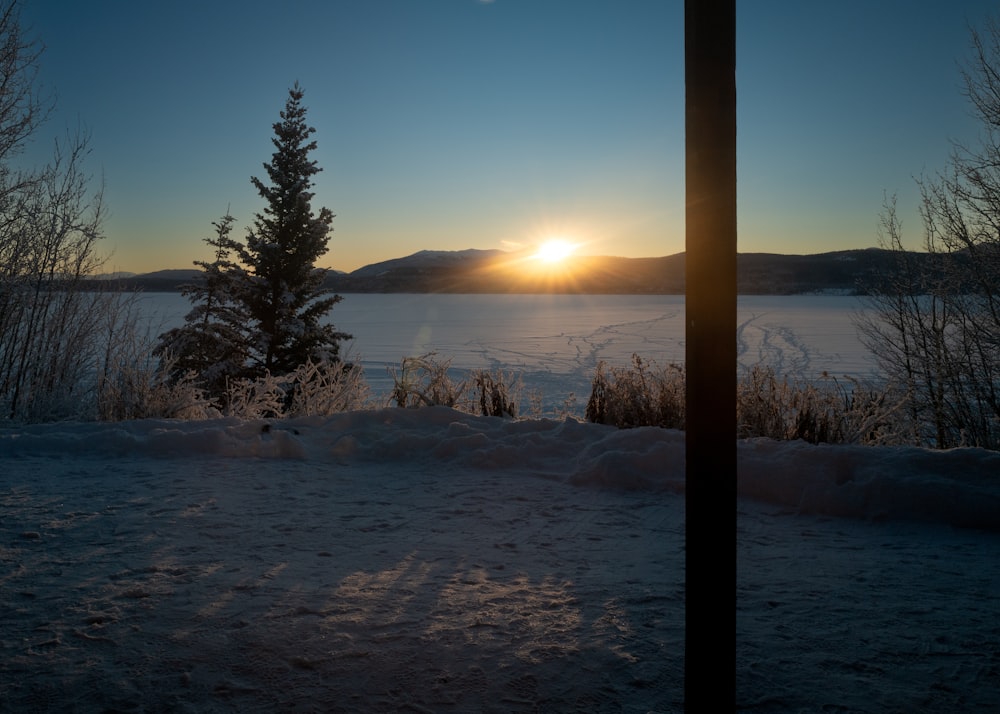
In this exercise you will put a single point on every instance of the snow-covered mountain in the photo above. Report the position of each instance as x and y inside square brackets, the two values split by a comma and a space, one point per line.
[429, 259]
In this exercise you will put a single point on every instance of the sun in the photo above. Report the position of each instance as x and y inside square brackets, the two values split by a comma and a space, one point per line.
[555, 250]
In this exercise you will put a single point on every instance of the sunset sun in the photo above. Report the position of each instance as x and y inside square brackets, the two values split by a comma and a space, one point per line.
[555, 251]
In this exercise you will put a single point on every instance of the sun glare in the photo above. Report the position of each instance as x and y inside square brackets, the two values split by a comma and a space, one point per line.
[554, 251]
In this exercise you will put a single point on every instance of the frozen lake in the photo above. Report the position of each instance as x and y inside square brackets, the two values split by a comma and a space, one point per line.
[556, 341]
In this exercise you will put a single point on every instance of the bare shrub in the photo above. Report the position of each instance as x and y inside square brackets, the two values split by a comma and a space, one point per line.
[568, 408]
[499, 392]
[144, 394]
[313, 389]
[762, 402]
[324, 388]
[829, 412]
[260, 398]
[128, 383]
[876, 414]
[424, 381]
[534, 397]
[49, 229]
[646, 394]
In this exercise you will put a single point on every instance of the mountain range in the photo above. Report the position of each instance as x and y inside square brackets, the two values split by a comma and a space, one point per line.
[496, 271]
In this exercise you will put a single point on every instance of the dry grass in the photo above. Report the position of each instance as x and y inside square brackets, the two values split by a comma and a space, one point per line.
[646, 394]
[498, 392]
[427, 381]
[831, 411]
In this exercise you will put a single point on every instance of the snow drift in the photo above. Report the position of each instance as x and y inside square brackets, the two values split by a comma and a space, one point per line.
[957, 487]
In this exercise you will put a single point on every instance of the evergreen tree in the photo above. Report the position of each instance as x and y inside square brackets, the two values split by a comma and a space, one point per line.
[282, 290]
[213, 342]
[258, 305]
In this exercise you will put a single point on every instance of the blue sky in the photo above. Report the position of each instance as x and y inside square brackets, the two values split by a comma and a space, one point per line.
[451, 124]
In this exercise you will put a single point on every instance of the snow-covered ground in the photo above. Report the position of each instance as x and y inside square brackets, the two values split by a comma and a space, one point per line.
[432, 561]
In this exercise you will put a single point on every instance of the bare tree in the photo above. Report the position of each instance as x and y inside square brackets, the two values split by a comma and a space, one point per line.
[48, 320]
[52, 344]
[934, 323]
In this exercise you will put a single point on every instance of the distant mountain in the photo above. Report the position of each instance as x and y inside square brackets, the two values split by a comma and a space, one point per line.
[472, 271]
[119, 275]
[496, 271]
[160, 281]
[175, 274]
[428, 260]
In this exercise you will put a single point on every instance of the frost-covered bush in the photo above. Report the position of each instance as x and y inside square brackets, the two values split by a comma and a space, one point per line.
[313, 389]
[425, 382]
[129, 382]
[143, 393]
[323, 388]
[260, 398]
[134, 385]
[47, 352]
[830, 412]
[644, 394]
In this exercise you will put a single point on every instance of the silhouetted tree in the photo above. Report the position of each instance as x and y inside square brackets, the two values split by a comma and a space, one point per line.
[260, 305]
[56, 335]
[212, 344]
[282, 288]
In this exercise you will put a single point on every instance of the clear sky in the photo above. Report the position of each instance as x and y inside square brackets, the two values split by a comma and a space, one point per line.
[452, 124]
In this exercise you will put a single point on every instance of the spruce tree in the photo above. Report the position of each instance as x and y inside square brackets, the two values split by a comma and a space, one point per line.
[283, 290]
[213, 342]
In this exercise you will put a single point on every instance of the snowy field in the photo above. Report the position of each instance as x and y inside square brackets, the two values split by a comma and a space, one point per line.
[432, 561]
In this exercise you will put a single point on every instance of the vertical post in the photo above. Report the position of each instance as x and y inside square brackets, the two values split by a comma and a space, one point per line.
[710, 334]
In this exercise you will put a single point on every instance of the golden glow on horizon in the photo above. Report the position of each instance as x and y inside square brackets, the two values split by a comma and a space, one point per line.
[555, 250]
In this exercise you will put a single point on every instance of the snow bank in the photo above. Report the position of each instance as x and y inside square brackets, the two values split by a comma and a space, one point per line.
[960, 487]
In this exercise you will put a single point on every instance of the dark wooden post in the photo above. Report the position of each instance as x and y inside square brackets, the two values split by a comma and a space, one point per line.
[710, 333]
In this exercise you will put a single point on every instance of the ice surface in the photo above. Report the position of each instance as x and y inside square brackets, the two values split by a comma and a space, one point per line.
[556, 341]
